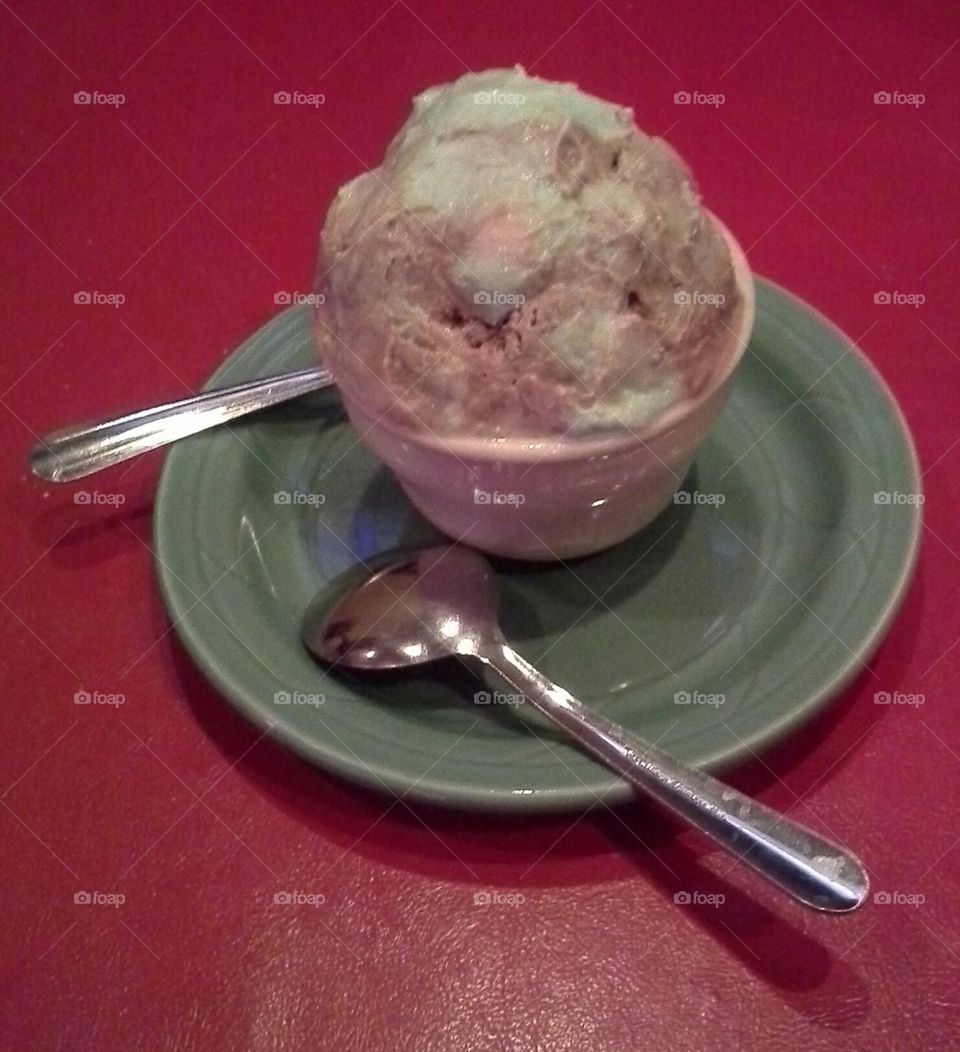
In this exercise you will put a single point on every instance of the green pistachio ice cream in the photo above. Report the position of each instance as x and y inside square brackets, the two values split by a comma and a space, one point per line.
[525, 262]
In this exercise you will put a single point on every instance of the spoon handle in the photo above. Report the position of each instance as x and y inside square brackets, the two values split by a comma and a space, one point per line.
[75, 452]
[814, 870]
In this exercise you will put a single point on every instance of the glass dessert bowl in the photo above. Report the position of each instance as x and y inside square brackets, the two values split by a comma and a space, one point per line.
[554, 498]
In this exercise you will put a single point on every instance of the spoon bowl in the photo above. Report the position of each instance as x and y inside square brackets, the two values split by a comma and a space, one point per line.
[431, 605]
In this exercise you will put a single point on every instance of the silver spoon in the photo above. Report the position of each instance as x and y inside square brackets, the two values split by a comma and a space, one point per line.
[75, 452]
[441, 602]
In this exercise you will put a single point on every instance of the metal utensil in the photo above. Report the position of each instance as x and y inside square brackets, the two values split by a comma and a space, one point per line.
[442, 602]
[75, 452]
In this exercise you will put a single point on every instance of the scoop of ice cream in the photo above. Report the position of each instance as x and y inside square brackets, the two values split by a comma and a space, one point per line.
[525, 262]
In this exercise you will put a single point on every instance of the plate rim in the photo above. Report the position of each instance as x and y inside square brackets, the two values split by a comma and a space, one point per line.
[564, 798]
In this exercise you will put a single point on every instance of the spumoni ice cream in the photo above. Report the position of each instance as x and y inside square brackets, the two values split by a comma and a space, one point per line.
[526, 263]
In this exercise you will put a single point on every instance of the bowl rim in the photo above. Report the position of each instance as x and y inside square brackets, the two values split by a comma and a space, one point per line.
[560, 448]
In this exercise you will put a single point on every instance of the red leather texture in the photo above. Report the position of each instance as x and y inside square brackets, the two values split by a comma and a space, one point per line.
[198, 199]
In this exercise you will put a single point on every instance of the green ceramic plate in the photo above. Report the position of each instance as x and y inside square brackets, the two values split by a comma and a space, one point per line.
[717, 630]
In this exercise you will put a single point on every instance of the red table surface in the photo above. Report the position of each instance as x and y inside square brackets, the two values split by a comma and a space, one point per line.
[198, 199]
